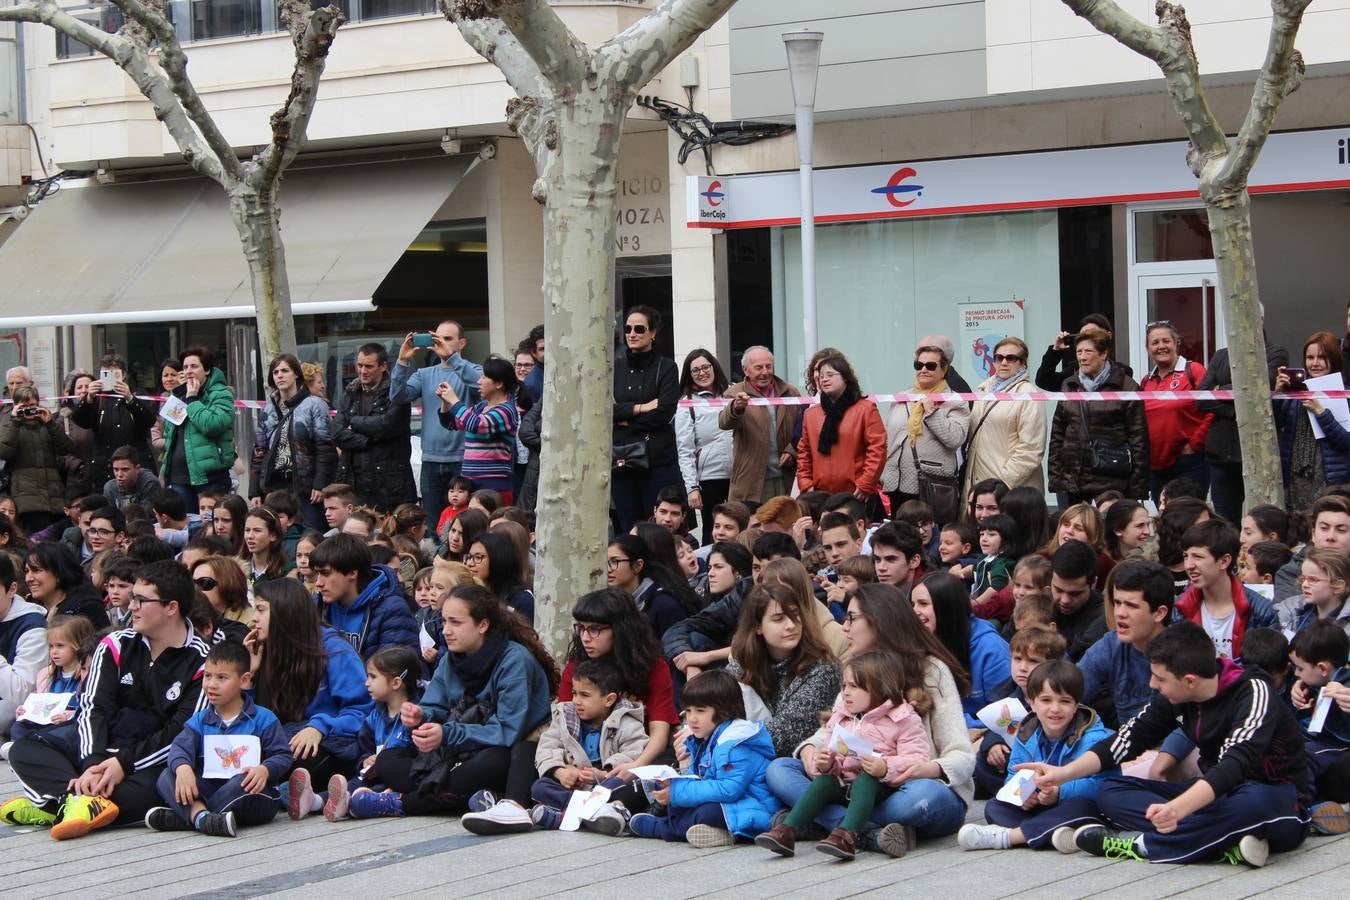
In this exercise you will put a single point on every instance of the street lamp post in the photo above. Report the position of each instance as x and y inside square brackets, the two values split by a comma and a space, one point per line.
[803, 53]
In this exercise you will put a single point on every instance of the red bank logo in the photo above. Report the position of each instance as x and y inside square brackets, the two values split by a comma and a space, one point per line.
[713, 194]
[898, 186]
[713, 200]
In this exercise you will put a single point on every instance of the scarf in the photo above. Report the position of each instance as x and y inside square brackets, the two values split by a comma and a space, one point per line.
[916, 409]
[834, 414]
[1090, 383]
[1002, 384]
[474, 669]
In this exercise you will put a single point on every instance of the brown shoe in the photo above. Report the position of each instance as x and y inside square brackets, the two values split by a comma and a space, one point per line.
[781, 839]
[840, 844]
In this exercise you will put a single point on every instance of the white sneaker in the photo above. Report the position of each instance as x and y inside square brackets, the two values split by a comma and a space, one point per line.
[982, 837]
[1062, 839]
[706, 836]
[612, 819]
[503, 817]
[4, 749]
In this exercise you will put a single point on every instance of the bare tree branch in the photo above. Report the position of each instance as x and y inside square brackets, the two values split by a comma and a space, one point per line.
[312, 32]
[1169, 45]
[1280, 75]
[136, 62]
[173, 61]
[561, 57]
[637, 54]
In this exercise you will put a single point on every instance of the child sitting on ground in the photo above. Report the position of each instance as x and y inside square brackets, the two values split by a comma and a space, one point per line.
[1035, 610]
[119, 577]
[229, 734]
[1259, 562]
[1319, 653]
[728, 756]
[849, 573]
[1057, 730]
[1029, 647]
[956, 549]
[70, 643]
[303, 548]
[994, 569]
[391, 679]
[590, 734]
[425, 595]
[1030, 576]
[873, 707]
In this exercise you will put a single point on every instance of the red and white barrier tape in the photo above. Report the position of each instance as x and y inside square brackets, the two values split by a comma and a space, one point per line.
[1025, 397]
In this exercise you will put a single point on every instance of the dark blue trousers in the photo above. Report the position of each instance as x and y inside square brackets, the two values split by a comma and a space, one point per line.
[224, 796]
[989, 780]
[679, 819]
[1269, 811]
[1038, 825]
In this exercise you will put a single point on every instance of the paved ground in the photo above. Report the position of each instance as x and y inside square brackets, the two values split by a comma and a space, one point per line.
[434, 857]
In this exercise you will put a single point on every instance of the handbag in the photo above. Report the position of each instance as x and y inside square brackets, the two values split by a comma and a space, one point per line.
[1108, 458]
[631, 457]
[939, 491]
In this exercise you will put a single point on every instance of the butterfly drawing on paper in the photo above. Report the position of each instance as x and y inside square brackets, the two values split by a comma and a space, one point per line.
[232, 758]
[45, 708]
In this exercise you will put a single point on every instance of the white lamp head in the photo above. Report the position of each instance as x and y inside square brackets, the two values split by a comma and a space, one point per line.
[803, 53]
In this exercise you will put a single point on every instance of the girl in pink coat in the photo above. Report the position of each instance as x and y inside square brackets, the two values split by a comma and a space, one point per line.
[874, 710]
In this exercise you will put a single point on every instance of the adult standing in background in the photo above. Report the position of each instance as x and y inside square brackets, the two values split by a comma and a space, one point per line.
[704, 448]
[199, 453]
[115, 416]
[442, 448]
[1176, 428]
[169, 378]
[534, 382]
[763, 443]
[31, 444]
[1007, 439]
[955, 382]
[76, 464]
[1059, 362]
[923, 436]
[294, 450]
[374, 433]
[646, 392]
[843, 445]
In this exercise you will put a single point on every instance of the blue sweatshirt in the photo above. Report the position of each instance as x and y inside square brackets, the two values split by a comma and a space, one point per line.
[1116, 666]
[342, 703]
[517, 694]
[258, 721]
[1031, 745]
[1336, 729]
[990, 669]
[381, 731]
[379, 616]
[406, 385]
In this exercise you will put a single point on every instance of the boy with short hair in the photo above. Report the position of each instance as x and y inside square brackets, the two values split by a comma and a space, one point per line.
[339, 501]
[852, 572]
[1253, 795]
[1116, 674]
[589, 735]
[1029, 648]
[897, 554]
[956, 549]
[1267, 649]
[1216, 600]
[1262, 561]
[119, 578]
[1319, 654]
[729, 520]
[286, 505]
[225, 763]
[1057, 728]
[841, 541]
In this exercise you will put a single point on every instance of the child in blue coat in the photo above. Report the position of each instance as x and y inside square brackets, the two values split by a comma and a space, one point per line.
[1059, 730]
[723, 794]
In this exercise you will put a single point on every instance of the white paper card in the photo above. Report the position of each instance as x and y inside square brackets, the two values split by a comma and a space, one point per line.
[654, 773]
[228, 755]
[1320, 712]
[1265, 590]
[1020, 787]
[583, 805]
[426, 640]
[1002, 717]
[846, 743]
[1339, 409]
[174, 410]
[38, 709]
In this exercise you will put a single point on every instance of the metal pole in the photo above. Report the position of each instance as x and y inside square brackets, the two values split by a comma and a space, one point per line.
[805, 129]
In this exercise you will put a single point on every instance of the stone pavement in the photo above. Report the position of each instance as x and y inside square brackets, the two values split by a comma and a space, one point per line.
[436, 858]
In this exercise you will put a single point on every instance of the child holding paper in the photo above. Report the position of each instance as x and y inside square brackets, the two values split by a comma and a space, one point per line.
[70, 643]
[1060, 729]
[225, 763]
[1029, 647]
[1319, 654]
[590, 734]
[876, 732]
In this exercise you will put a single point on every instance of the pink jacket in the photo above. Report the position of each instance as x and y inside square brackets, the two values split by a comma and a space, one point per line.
[896, 732]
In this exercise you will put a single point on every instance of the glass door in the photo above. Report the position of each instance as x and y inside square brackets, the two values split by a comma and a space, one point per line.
[1191, 302]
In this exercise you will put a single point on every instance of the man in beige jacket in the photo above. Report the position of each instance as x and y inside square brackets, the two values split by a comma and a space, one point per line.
[763, 452]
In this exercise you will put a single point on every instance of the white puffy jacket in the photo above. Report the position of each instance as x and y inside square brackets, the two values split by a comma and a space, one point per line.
[704, 448]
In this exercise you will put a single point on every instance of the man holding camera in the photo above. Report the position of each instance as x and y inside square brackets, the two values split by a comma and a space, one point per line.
[115, 416]
[31, 442]
[442, 449]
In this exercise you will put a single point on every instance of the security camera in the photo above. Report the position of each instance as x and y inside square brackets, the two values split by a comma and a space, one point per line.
[488, 151]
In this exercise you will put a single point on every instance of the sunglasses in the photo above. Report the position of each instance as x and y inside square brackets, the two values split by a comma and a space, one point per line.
[635, 329]
[930, 366]
[1007, 358]
[206, 584]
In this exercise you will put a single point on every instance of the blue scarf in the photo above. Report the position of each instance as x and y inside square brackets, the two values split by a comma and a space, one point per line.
[1092, 384]
[1002, 384]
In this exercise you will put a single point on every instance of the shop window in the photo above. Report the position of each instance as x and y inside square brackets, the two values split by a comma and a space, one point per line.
[1171, 235]
[224, 18]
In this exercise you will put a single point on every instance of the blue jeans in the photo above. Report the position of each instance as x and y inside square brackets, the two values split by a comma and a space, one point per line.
[929, 806]
[1188, 465]
[189, 492]
[435, 484]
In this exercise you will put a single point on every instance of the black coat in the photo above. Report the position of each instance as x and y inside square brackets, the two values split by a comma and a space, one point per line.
[115, 423]
[1111, 421]
[376, 447]
[1222, 444]
[531, 434]
[641, 378]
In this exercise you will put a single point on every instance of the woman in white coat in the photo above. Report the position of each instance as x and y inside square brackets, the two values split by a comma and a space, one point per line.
[703, 448]
[1007, 437]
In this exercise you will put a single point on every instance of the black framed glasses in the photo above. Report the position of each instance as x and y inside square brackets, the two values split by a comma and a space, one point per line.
[589, 629]
[138, 600]
[615, 561]
[920, 365]
[700, 370]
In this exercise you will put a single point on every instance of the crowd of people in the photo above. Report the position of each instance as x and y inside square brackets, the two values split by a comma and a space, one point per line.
[819, 623]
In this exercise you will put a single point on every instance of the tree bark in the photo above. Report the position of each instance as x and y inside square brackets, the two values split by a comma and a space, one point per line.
[256, 218]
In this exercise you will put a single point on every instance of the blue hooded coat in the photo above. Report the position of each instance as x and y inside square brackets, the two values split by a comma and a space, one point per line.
[378, 618]
[730, 766]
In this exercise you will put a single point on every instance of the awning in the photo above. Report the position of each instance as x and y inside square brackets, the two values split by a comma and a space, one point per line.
[168, 251]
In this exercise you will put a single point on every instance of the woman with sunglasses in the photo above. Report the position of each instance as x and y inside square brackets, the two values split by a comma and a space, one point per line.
[924, 435]
[225, 586]
[646, 391]
[1007, 439]
[608, 625]
[704, 448]
[843, 443]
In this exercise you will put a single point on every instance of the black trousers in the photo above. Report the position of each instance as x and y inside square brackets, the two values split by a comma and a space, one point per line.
[507, 772]
[45, 774]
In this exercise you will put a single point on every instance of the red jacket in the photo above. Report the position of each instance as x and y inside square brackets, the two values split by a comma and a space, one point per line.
[1252, 611]
[854, 462]
[1172, 424]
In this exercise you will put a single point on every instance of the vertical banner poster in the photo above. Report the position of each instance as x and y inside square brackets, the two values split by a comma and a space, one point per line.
[983, 324]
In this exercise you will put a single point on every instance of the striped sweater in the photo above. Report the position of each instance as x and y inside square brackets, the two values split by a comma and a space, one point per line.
[489, 438]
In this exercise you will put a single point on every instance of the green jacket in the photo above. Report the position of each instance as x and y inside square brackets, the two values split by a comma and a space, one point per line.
[31, 450]
[208, 431]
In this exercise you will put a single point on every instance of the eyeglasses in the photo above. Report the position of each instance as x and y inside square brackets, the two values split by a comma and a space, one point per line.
[850, 618]
[635, 329]
[528, 365]
[138, 600]
[475, 558]
[1007, 358]
[930, 366]
[589, 629]
[206, 584]
[615, 561]
[102, 532]
[700, 370]
[1310, 579]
